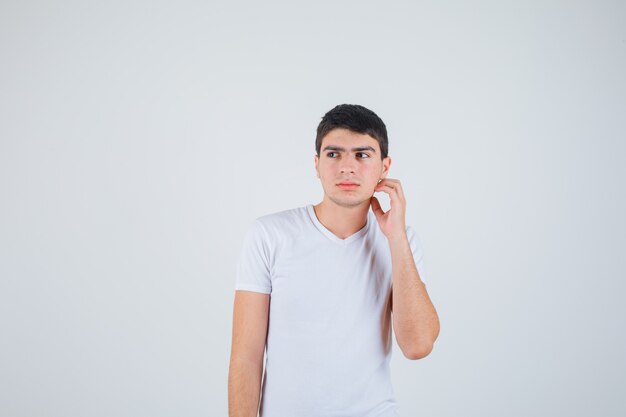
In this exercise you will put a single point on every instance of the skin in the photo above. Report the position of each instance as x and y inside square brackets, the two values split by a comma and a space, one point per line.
[249, 334]
[343, 212]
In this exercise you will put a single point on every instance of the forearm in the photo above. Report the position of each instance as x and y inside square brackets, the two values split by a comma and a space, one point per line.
[244, 387]
[415, 320]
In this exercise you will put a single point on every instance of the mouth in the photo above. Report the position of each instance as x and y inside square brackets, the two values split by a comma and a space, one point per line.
[347, 185]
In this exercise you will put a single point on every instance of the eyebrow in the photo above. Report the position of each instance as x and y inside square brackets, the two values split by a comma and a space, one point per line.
[358, 149]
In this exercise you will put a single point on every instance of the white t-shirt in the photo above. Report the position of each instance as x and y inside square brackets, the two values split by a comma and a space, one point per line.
[329, 332]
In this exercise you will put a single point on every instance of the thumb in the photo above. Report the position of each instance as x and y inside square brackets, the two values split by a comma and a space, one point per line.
[378, 211]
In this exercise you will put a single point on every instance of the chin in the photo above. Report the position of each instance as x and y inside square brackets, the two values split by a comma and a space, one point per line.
[348, 202]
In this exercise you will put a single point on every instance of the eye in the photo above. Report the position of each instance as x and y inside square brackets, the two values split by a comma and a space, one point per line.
[329, 154]
[364, 154]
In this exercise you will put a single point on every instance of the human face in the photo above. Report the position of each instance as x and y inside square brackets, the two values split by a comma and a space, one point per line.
[347, 157]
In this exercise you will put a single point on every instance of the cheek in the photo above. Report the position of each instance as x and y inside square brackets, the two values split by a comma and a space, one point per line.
[371, 171]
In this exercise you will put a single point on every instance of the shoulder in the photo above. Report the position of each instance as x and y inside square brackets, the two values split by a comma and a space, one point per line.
[283, 223]
[413, 236]
[415, 242]
[411, 232]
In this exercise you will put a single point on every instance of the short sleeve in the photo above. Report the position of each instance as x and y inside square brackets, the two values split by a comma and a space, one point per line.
[253, 266]
[418, 252]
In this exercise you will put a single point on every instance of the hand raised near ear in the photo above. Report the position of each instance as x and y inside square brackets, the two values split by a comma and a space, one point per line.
[392, 223]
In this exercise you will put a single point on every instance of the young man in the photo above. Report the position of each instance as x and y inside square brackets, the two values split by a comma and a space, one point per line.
[320, 286]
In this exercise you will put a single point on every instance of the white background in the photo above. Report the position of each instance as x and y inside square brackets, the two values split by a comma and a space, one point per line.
[139, 140]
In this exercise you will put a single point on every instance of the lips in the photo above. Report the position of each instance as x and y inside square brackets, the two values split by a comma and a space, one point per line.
[348, 185]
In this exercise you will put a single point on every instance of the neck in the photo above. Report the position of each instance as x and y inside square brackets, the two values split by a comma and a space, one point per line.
[342, 221]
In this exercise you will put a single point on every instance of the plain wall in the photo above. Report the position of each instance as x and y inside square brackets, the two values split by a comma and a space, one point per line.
[139, 140]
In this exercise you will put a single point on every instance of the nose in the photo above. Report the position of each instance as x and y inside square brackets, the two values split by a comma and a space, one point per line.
[347, 166]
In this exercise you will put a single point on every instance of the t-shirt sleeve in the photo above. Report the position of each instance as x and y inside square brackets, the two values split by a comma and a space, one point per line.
[418, 252]
[253, 266]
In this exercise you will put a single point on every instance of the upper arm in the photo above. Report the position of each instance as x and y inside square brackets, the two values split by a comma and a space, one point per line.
[250, 323]
[255, 261]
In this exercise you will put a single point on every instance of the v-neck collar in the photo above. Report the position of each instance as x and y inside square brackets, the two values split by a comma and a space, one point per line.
[333, 236]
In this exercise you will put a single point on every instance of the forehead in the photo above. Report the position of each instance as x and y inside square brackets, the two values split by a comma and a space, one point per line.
[348, 139]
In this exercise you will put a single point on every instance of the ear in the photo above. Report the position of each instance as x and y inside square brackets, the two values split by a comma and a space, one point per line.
[316, 161]
[386, 165]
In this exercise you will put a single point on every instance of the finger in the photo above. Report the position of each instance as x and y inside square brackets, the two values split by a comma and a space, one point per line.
[396, 200]
[389, 180]
[398, 187]
[386, 188]
[378, 211]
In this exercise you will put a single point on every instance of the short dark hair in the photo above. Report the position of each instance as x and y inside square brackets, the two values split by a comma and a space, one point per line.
[356, 118]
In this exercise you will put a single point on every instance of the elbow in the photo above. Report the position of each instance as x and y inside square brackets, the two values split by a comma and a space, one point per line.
[420, 344]
[418, 351]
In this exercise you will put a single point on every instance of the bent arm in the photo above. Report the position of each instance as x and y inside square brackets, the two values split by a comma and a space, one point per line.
[415, 320]
[250, 321]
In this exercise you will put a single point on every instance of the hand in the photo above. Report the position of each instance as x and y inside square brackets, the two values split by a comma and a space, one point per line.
[392, 223]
